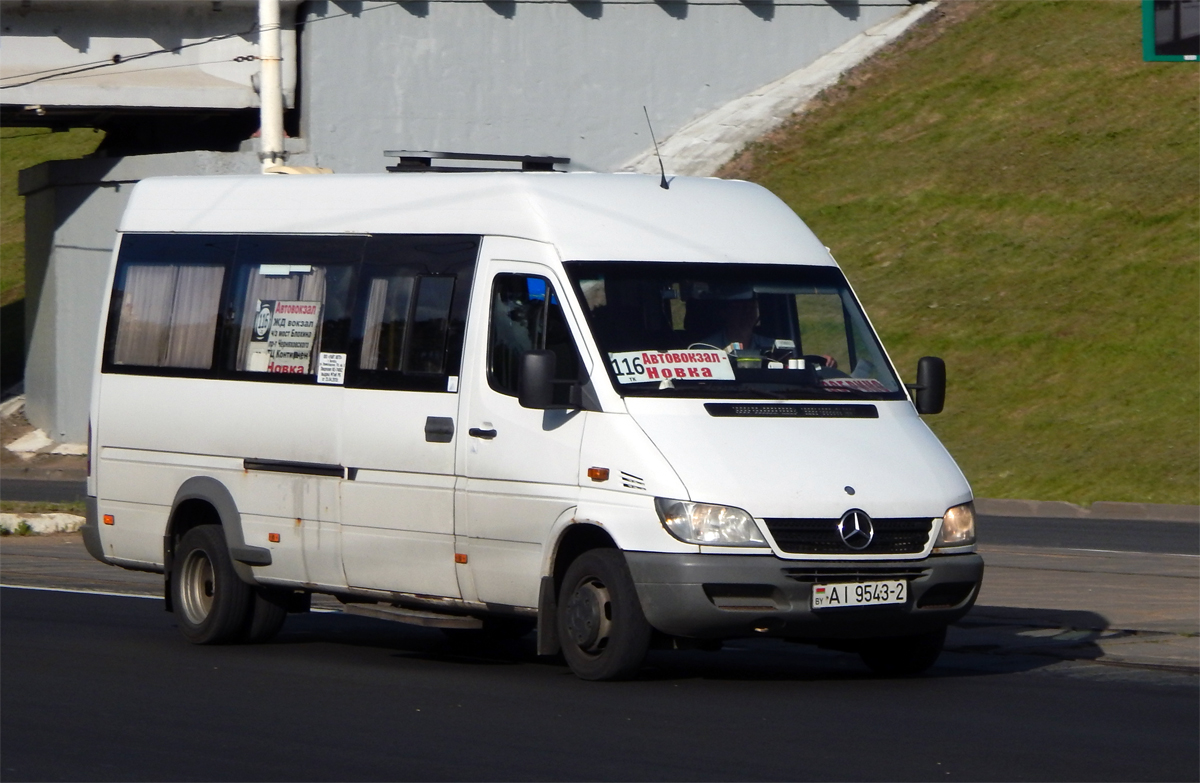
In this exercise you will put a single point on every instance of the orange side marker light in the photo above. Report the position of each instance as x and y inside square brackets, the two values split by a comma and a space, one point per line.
[273, 538]
[598, 474]
[108, 519]
[460, 558]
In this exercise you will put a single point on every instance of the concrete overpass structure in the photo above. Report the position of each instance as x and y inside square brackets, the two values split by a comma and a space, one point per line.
[173, 84]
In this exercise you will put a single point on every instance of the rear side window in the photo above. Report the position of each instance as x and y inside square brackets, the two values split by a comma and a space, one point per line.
[289, 306]
[413, 293]
[166, 302]
[383, 311]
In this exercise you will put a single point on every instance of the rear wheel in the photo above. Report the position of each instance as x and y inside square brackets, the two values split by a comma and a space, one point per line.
[268, 611]
[211, 603]
[601, 628]
[903, 656]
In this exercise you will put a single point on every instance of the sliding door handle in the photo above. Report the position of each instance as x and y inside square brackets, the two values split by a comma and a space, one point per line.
[475, 432]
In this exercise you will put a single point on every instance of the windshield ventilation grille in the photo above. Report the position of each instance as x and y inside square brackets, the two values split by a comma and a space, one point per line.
[630, 481]
[900, 536]
[792, 411]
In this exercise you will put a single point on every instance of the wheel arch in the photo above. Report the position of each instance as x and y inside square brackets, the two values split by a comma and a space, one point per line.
[203, 500]
[573, 539]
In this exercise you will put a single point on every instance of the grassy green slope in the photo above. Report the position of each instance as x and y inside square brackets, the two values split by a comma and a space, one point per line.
[21, 148]
[1019, 194]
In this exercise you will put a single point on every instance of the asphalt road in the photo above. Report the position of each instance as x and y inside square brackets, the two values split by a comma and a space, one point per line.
[105, 688]
[1118, 535]
[43, 490]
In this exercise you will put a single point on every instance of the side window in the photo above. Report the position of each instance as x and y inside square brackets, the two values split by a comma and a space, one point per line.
[413, 293]
[165, 304]
[526, 316]
[288, 312]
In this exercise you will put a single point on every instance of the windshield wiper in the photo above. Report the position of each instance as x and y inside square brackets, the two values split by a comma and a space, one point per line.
[707, 388]
[847, 390]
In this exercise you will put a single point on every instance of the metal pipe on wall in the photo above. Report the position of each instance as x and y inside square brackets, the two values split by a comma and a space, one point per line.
[270, 97]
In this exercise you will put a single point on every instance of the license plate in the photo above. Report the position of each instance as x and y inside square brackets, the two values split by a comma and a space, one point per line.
[859, 594]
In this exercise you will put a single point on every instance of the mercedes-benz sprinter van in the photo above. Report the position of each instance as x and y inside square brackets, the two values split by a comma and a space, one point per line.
[618, 413]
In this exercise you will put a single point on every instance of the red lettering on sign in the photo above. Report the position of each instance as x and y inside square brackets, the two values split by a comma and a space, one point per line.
[706, 372]
[666, 372]
[693, 372]
[651, 372]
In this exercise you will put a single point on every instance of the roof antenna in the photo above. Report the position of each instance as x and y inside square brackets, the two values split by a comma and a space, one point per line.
[664, 184]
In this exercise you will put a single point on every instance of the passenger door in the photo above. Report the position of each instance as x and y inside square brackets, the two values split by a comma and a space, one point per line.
[401, 414]
[519, 466]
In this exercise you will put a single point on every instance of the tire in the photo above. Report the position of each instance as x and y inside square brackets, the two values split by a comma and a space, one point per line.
[903, 656]
[268, 611]
[601, 628]
[212, 605]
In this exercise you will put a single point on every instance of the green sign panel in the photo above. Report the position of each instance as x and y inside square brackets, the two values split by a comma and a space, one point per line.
[1171, 30]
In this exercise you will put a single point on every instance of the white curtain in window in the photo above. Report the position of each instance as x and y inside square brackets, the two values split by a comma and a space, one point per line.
[376, 303]
[145, 314]
[193, 327]
[168, 315]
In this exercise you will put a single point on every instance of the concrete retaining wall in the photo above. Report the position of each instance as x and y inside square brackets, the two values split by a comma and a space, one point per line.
[562, 78]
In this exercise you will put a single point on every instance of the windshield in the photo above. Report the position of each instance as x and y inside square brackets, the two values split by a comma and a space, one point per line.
[732, 330]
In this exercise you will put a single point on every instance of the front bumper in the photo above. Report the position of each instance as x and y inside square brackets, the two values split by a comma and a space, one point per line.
[726, 596]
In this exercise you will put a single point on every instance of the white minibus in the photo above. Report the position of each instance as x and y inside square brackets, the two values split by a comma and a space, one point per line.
[622, 414]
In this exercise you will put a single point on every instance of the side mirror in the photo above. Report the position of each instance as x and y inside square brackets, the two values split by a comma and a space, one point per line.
[930, 387]
[535, 379]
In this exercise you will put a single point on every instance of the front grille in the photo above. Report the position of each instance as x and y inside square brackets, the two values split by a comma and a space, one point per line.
[900, 536]
[839, 574]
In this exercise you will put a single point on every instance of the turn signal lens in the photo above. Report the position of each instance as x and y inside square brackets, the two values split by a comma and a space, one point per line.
[705, 523]
[598, 474]
[958, 526]
[108, 519]
[273, 538]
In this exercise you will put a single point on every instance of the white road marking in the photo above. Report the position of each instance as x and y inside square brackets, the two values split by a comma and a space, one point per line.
[83, 592]
[315, 610]
[1128, 552]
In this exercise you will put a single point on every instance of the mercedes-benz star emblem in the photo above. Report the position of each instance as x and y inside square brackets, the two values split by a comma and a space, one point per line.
[856, 529]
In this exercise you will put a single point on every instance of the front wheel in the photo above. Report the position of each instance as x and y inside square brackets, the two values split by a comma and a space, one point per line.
[903, 656]
[211, 603]
[601, 628]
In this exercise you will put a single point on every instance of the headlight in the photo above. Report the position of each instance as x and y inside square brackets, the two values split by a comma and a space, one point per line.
[704, 523]
[958, 526]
